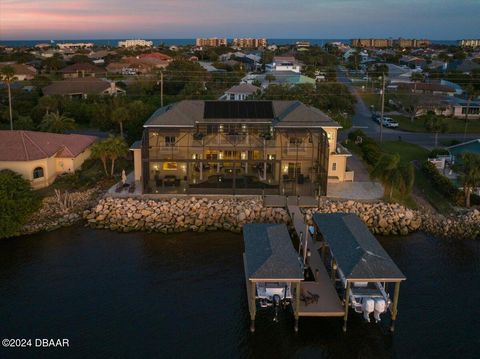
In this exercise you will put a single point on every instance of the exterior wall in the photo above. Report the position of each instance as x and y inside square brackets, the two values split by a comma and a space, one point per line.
[137, 162]
[337, 165]
[25, 168]
[52, 166]
[474, 112]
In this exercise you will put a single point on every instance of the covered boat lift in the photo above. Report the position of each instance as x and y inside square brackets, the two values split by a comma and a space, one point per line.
[357, 259]
[270, 257]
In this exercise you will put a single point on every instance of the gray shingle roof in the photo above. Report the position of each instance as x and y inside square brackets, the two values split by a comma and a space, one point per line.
[356, 250]
[269, 252]
[287, 114]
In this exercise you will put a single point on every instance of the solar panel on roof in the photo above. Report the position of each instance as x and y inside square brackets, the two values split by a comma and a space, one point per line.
[238, 109]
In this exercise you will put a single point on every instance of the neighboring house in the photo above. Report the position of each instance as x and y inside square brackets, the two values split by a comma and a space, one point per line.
[146, 64]
[239, 92]
[279, 78]
[41, 156]
[284, 63]
[427, 88]
[22, 72]
[155, 55]
[469, 146]
[398, 74]
[461, 106]
[135, 43]
[249, 147]
[454, 86]
[82, 69]
[82, 87]
[123, 68]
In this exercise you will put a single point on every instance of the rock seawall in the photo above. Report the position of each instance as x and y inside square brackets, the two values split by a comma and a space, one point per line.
[55, 214]
[202, 214]
[179, 215]
[381, 218]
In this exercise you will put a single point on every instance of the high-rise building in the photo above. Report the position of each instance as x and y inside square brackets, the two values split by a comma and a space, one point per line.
[211, 41]
[405, 43]
[470, 42]
[372, 43]
[250, 42]
[135, 43]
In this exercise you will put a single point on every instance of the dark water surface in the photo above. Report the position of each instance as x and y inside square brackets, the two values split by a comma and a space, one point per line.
[141, 295]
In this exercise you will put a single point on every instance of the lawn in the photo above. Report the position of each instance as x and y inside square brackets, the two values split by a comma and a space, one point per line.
[374, 99]
[409, 152]
[454, 125]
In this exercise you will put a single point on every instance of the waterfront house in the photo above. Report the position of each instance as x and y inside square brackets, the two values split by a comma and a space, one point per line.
[240, 92]
[22, 72]
[278, 78]
[195, 146]
[41, 156]
[82, 87]
[82, 69]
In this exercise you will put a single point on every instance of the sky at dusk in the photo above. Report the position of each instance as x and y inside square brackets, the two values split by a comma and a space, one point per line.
[100, 19]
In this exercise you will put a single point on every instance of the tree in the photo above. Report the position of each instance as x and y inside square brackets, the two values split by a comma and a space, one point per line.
[116, 147]
[471, 92]
[99, 151]
[120, 115]
[7, 75]
[393, 174]
[435, 124]
[469, 173]
[57, 123]
[17, 201]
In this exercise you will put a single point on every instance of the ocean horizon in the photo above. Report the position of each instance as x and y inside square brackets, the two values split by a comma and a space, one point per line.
[183, 42]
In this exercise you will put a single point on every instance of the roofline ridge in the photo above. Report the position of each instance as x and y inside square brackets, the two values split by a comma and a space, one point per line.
[36, 145]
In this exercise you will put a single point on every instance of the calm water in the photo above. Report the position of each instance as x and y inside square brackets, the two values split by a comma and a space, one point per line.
[143, 295]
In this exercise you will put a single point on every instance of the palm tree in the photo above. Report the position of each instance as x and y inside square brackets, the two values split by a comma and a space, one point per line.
[469, 173]
[120, 115]
[57, 123]
[387, 170]
[435, 124]
[100, 151]
[7, 75]
[471, 94]
[115, 148]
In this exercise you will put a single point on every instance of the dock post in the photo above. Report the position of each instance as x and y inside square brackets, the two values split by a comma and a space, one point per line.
[297, 306]
[334, 269]
[347, 299]
[253, 306]
[394, 305]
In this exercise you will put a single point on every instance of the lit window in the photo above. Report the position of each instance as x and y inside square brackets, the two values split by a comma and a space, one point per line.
[38, 172]
[170, 166]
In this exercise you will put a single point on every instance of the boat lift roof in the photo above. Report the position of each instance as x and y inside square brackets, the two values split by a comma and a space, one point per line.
[269, 253]
[357, 252]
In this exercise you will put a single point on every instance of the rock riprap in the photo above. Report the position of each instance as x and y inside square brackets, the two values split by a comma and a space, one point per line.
[179, 215]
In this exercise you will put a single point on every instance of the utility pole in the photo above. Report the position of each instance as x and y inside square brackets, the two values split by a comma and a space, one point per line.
[383, 107]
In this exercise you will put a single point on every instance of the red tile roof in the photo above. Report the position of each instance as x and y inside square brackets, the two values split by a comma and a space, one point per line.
[155, 55]
[33, 145]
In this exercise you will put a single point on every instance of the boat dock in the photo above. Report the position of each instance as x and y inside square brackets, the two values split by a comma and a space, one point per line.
[328, 304]
[279, 275]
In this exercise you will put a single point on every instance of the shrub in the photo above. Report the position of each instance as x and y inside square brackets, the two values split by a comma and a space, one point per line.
[17, 202]
[442, 184]
[437, 152]
[352, 136]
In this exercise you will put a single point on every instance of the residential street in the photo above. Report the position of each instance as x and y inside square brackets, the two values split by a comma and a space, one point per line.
[362, 120]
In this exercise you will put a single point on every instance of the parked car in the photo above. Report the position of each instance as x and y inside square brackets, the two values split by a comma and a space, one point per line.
[390, 122]
[376, 117]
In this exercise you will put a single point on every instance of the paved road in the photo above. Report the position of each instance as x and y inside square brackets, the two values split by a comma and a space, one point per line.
[362, 119]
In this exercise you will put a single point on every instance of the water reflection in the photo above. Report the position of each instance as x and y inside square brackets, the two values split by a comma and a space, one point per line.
[183, 295]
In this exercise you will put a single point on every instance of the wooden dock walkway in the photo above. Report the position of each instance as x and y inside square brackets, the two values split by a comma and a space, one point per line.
[329, 304]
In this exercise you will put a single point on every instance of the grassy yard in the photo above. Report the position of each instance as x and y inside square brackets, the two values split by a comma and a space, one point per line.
[455, 125]
[374, 99]
[409, 152]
